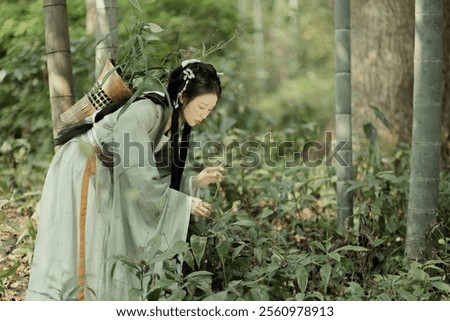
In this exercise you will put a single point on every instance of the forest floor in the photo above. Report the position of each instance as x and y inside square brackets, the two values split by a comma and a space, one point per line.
[15, 252]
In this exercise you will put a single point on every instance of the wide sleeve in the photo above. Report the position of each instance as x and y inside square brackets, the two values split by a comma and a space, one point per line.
[144, 204]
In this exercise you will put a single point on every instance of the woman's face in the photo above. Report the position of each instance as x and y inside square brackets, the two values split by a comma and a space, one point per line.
[199, 108]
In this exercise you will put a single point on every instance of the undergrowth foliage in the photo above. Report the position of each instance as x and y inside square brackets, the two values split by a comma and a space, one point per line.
[272, 237]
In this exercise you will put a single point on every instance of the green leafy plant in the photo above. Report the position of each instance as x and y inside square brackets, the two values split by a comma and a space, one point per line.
[4, 274]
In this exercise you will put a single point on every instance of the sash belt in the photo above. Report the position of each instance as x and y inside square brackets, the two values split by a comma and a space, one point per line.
[88, 171]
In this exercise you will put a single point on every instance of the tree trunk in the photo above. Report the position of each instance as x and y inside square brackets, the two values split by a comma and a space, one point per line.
[278, 47]
[343, 111]
[425, 149]
[294, 35]
[445, 117]
[107, 33]
[59, 62]
[242, 17]
[382, 71]
[259, 43]
[90, 16]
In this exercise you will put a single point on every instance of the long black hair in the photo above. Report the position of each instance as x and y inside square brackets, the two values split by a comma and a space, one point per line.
[205, 81]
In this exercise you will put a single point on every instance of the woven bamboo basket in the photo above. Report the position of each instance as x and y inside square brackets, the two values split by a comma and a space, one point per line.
[109, 88]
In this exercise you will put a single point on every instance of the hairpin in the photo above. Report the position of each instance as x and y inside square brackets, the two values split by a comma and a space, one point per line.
[188, 61]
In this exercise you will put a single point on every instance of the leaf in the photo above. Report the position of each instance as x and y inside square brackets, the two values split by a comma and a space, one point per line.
[266, 212]
[222, 249]
[9, 272]
[319, 245]
[405, 295]
[189, 259]
[177, 295]
[371, 132]
[237, 251]
[391, 224]
[180, 247]
[389, 176]
[244, 223]
[219, 296]
[418, 274]
[167, 254]
[198, 246]
[356, 185]
[198, 273]
[441, 286]
[382, 117]
[352, 248]
[153, 27]
[377, 242]
[325, 274]
[335, 256]
[301, 276]
[154, 295]
[127, 261]
[3, 74]
[316, 295]
[258, 253]
[259, 294]
[136, 4]
[355, 289]
[3, 202]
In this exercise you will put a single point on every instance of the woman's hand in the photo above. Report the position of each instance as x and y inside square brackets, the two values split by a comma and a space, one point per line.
[200, 208]
[209, 175]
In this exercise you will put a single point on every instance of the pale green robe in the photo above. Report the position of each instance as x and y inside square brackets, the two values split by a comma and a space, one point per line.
[128, 205]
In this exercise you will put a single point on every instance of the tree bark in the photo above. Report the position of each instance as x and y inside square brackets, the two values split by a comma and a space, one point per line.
[343, 112]
[59, 63]
[445, 117]
[91, 14]
[107, 33]
[258, 26]
[425, 149]
[294, 35]
[278, 47]
[382, 70]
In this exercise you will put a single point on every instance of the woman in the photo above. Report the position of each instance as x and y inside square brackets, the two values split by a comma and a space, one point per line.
[116, 186]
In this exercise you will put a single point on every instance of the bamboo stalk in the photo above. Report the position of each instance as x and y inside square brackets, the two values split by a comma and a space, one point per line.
[343, 113]
[425, 149]
[59, 63]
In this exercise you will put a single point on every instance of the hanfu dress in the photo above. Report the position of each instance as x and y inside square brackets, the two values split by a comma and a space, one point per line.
[92, 211]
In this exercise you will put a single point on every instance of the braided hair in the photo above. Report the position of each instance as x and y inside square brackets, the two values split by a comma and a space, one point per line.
[189, 81]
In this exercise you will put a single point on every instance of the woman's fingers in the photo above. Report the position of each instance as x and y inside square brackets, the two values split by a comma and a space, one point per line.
[209, 175]
[219, 169]
[204, 210]
[200, 208]
[216, 173]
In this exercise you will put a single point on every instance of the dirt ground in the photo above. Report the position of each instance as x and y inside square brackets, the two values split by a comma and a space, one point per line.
[16, 248]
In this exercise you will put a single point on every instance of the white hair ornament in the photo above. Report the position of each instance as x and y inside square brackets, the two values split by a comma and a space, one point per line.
[184, 63]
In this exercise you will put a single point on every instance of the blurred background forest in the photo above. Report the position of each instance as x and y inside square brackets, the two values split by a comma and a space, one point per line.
[272, 237]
